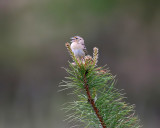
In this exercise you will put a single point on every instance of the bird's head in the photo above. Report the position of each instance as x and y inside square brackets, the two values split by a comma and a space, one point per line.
[77, 39]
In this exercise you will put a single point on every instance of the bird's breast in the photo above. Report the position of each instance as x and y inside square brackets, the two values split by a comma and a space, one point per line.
[78, 52]
[75, 46]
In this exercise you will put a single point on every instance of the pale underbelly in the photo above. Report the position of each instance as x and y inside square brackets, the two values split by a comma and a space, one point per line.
[78, 53]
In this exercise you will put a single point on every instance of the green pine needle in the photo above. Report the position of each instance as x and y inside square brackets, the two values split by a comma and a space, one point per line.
[84, 76]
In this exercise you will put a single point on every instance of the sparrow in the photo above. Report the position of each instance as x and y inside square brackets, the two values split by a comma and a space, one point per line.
[78, 47]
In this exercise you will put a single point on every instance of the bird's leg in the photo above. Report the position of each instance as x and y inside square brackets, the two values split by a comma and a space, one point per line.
[78, 59]
[82, 60]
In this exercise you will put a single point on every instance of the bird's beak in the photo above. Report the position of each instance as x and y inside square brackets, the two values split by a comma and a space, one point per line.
[73, 39]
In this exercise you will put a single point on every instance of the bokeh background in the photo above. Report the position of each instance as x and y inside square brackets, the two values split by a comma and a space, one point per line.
[32, 52]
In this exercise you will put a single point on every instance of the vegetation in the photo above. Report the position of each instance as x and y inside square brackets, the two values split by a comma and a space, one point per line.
[98, 103]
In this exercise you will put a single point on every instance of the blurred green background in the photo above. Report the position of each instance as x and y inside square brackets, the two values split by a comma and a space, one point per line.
[32, 52]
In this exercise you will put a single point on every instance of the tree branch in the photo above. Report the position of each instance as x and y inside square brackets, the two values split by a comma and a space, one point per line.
[91, 101]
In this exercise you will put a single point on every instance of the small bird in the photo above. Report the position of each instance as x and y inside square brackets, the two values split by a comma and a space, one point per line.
[78, 47]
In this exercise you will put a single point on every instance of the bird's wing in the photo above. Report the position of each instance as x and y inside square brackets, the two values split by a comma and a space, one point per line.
[85, 50]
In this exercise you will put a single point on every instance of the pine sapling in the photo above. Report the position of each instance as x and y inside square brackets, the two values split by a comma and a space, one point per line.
[98, 103]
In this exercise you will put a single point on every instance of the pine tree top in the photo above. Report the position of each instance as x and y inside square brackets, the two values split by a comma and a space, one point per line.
[99, 104]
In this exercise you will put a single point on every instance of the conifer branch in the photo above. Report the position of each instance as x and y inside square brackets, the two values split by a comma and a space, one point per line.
[99, 104]
[91, 101]
[95, 55]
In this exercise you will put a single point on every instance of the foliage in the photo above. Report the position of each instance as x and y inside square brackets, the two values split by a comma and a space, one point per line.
[98, 103]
